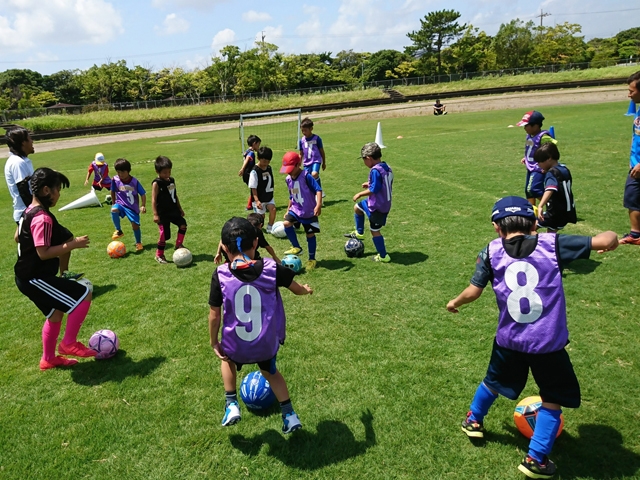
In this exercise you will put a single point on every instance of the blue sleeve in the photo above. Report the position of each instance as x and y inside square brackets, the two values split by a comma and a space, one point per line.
[113, 186]
[300, 144]
[483, 274]
[550, 181]
[319, 142]
[141, 190]
[312, 183]
[375, 181]
[572, 247]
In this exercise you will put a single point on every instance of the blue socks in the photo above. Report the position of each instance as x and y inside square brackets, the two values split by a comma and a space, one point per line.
[291, 235]
[359, 223]
[138, 235]
[311, 245]
[482, 401]
[115, 216]
[547, 425]
[379, 243]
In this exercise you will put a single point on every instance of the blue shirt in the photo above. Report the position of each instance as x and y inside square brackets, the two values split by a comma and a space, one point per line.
[635, 142]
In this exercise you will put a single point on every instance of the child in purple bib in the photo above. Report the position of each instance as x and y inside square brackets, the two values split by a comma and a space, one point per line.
[526, 274]
[125, 192]
[100, 170]
[245, 300]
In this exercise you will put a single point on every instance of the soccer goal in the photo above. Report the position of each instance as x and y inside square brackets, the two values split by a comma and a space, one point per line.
[279, 130]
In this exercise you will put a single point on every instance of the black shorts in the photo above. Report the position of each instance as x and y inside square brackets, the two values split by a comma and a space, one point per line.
[309, 225]
[53, 293]
[553, 373]
[267, 365]
[552, 222]
[632, 194]
[166, 222]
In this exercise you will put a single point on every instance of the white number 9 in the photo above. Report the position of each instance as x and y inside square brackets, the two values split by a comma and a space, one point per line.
[253, 316]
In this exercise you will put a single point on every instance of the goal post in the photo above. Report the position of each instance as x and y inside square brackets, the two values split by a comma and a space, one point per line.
[278, 130]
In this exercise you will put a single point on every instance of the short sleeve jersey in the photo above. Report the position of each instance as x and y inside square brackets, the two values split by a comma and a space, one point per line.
[302, 192]
[127, 194]
[262, 181]
[561, 205]
[167, 198]
[15, 171]
[380, 186]
[635, 142]
[310, 148]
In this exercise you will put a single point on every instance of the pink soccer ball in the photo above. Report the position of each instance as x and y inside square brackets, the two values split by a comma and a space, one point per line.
[105, 343]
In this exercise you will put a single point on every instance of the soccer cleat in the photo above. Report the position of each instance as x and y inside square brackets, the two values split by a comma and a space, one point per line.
[532, 469]
[629, 239]
[291, 423]
[354, 234]
[385, 259]
[76, 349]
[310, 265]
[71, 275]
[117, 234]
[161, 260]
[57, 362]
[472, 428]
[139, 247]
[231, 414]
[293, 251]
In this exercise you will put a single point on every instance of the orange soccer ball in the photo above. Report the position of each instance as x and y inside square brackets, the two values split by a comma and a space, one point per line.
[116, 249]
[526, 413]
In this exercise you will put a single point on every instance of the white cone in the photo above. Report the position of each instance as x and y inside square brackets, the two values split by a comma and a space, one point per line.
[379, 136]
[85, 201]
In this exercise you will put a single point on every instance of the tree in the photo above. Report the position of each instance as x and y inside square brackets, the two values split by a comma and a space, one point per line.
[349, 65]
[405, 70]
[224, 69]
[558, 45]
[472, 52]
[438, 30]
[629, 48]
[381, 62]
[602, 51]
[65, 85]
[630, 34]
[513, 44]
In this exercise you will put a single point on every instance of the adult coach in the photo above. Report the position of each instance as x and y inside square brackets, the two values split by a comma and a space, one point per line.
[17, 168]
[632, 187]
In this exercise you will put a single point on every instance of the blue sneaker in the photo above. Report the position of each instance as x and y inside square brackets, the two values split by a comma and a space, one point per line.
[231, 415]
[291, 422]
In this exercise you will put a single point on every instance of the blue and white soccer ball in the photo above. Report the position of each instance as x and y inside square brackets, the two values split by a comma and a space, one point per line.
[256, 392]
[354, 248]
[293, 262]
[277, 230]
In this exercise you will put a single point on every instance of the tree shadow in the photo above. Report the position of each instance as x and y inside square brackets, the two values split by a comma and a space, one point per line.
[581, 267]
[343, 265]
[114, 369]
[102, 289]
[329, 203]
[332, 443]
[408, 258]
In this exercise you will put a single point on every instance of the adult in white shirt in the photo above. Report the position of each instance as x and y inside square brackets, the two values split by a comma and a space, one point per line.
[18, 167]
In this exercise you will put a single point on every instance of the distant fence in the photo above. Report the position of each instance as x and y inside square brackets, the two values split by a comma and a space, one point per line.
[10, 115]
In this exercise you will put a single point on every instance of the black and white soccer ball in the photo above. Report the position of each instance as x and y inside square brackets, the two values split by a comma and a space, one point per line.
[354, 248]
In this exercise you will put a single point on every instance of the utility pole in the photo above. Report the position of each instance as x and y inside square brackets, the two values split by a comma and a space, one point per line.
[542, 15]
[263, 35]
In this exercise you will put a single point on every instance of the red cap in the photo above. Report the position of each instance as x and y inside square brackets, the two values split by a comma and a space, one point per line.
[290, 160]
[531, 118]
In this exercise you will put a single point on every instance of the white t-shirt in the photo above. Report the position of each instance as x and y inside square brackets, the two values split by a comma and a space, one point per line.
[253, 179]
[15, 170]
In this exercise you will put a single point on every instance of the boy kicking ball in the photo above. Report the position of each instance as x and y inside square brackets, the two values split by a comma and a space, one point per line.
[526, 274]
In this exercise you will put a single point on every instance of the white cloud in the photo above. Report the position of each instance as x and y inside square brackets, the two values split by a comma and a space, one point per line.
[195, 4]
[271, 34]
[222, 38]
[61, 22]
[253, 16]
[172, 24]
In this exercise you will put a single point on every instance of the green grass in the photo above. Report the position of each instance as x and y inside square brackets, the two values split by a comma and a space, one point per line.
[56, 122]
[379, 372]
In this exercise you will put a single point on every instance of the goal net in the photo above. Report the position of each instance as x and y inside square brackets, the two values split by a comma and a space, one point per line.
[279, 130]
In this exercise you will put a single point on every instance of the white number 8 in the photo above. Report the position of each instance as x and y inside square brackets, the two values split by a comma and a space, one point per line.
[518, 292]
[253, 316]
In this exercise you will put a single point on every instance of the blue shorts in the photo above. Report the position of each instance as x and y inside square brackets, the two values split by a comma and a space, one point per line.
[377, 220]
[632, 194]
[314, 167]
[553, 373]
[534, 185]
[126, 212]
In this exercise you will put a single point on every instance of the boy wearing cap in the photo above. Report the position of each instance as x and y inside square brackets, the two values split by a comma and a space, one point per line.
[378, 203]
[100, 171]
[305, 205]
[526, 274]
[534, 183]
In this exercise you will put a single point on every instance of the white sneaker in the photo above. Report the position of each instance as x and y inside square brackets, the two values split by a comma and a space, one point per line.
[269, 228]
[291, 423]
[231, 415]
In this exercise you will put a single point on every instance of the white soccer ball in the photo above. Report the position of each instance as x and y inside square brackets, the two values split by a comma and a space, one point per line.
[87, 283]
[182, 257]
[277, 230]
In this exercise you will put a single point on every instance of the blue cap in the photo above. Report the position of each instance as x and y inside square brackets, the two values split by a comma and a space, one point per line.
[512, 206]
[531, 118]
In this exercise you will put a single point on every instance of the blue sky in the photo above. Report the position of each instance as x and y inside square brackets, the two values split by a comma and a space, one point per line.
[53, 35]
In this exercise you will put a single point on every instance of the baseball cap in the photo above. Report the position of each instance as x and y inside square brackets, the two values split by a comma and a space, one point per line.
[99, 158]
[512, 206]
[370, 150]
[290, 160]
[531, 118]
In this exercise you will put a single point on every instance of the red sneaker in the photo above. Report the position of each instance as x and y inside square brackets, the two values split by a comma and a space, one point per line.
[57, 362]
[629, 240]
[76, 350]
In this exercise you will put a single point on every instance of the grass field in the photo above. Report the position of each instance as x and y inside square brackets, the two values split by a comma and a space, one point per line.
[379, 372]
[277, 102]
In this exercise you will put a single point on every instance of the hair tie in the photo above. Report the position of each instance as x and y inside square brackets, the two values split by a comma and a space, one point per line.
[238, 243]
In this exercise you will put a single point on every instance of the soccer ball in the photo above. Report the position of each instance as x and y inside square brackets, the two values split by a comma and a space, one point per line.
[87, 283]
[293, 262]
[108, 199]
[105, 343]
[277, 230]
[256, 392]
[116, 249]
[182, 257]
[354, 248]
[526, 413]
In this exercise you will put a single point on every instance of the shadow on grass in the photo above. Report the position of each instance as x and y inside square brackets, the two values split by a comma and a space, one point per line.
[202, 257]
[343, 265]
[581, 267]
[328, 203]
[102, 289]
[114, 369]
[408, 258]
[332, 443]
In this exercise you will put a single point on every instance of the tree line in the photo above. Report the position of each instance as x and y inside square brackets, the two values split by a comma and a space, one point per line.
[442, 45]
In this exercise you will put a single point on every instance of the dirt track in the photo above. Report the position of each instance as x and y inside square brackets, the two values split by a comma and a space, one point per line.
[522, 101]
